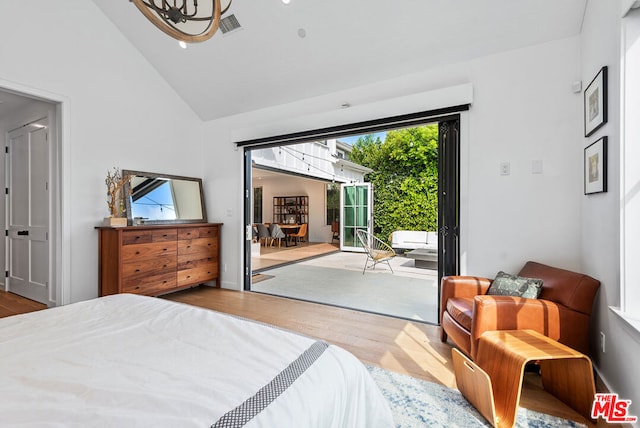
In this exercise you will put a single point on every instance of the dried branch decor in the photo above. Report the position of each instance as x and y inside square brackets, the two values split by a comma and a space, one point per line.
[115, 187]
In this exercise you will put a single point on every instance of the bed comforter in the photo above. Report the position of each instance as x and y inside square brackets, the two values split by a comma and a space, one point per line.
[129, 361]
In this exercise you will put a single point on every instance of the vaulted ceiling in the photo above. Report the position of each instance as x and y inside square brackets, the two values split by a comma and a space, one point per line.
[347, 43]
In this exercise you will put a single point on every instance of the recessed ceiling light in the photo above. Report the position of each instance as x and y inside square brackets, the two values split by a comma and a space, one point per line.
[286, 1]
[302, 33]
[182, 44]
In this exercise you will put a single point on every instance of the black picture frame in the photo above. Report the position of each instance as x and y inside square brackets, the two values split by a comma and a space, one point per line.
[595, 103]
[595, 167]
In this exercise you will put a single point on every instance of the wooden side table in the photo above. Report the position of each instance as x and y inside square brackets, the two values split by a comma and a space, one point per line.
[502, 355]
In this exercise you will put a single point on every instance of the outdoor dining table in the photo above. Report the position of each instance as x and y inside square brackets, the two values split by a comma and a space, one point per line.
[289, 229]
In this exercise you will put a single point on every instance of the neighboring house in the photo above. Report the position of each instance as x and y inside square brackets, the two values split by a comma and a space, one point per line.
[326, 160]
[304, 169]
[115, 108]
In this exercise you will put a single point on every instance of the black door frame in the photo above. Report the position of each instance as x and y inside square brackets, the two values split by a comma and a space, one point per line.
[448, 120]
[448, 199]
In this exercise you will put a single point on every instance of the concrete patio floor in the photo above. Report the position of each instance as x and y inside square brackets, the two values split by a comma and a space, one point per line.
[337, 279]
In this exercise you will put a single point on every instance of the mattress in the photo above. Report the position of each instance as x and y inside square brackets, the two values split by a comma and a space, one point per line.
[127, 361]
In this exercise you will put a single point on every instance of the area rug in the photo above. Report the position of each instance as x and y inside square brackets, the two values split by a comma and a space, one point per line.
[417, 403]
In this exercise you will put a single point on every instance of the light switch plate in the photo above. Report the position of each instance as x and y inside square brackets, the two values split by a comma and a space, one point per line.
[505, 168]
[536, 167]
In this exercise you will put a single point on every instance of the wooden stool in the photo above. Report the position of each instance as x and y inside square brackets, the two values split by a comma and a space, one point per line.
[498, 372]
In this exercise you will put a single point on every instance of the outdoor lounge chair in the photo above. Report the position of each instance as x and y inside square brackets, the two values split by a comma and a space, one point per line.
[377, 250]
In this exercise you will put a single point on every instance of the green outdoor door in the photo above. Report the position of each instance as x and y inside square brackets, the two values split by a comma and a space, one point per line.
[356, 203]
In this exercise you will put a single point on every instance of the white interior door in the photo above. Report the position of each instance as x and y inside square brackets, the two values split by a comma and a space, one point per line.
[356, 212]
[28, 211]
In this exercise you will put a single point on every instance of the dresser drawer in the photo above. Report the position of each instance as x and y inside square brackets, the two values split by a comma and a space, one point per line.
[152, 284]
[188, 233]
[191, 261]
[197, 275]
[130, 237]
[147, 266]
[145, 251]
[208, 232]
[206, 246]
[164, 235]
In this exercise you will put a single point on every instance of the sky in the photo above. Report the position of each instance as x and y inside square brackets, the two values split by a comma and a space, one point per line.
[352, 139]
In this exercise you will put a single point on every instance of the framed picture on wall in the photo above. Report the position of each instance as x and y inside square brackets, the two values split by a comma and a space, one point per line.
[595, 103]
[595, 167]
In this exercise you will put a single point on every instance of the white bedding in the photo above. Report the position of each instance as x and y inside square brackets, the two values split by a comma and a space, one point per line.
[127, 361]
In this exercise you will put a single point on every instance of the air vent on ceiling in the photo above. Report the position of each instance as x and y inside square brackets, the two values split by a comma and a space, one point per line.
[229, 23]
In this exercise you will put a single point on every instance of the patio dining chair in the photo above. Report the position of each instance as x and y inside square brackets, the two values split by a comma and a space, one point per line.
[276, 233]
[300, 234]
[335, 231]
[377, 251]
[263, 234]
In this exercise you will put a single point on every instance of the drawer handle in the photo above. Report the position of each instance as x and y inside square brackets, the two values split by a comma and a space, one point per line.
[165, 249]
[137, 252]
[138, 237]
[165, 235]
[188, 276]
[137, 270]
[188, 246]
[164, 282]
[164, 266]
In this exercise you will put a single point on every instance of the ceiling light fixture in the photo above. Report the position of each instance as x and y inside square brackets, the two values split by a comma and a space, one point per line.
[185, 20]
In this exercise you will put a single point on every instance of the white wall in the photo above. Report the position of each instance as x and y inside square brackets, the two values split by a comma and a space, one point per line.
[600, 226]
[119, 112]
[523, 110]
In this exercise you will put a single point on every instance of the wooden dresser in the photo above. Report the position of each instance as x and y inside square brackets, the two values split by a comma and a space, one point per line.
[156, 259]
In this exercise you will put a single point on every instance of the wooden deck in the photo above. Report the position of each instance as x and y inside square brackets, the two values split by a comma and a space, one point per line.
[277, 256]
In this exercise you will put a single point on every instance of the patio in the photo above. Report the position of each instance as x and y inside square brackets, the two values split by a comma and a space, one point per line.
[336, 278]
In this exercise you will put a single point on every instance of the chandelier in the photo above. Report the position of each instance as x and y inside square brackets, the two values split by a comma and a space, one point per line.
[184, 20]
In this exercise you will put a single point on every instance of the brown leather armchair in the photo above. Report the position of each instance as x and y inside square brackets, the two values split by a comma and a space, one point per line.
[561, 312]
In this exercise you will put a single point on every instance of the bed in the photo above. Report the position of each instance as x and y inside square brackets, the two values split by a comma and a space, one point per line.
[127, 360]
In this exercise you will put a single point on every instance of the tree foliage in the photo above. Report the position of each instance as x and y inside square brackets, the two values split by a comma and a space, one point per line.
[404, 177]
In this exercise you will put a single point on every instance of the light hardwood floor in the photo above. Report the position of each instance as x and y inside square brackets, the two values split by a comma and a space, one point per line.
[402, 346]
[398, 345]
[12, 304]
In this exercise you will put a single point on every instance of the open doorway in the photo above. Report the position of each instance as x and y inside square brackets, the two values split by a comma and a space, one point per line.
[338, 279]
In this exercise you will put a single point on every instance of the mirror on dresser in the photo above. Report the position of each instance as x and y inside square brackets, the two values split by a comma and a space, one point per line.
[155, 198]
